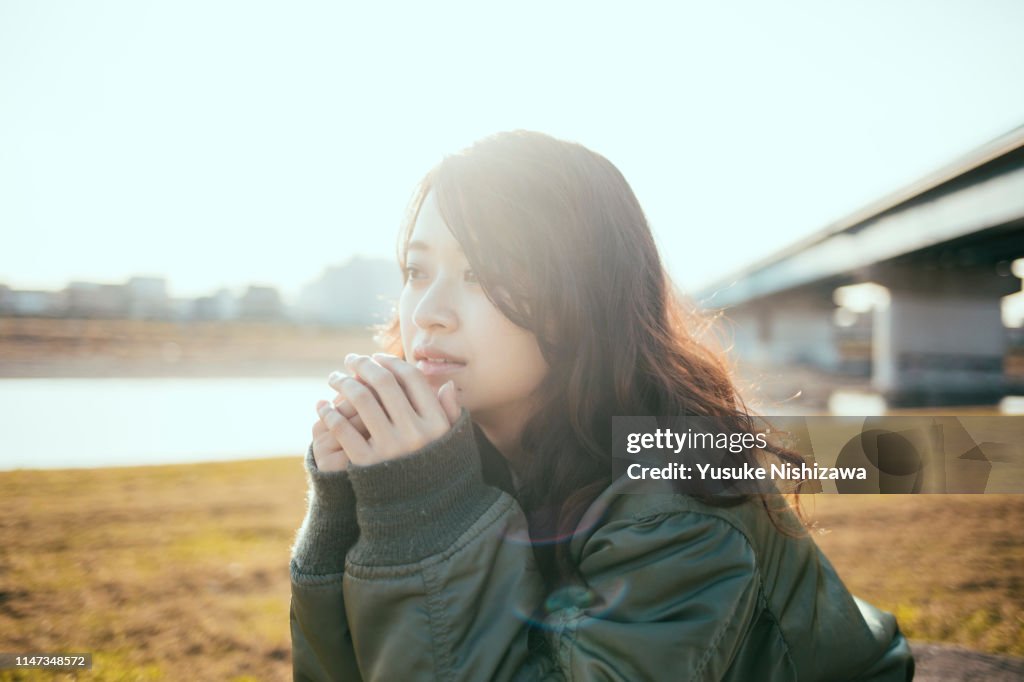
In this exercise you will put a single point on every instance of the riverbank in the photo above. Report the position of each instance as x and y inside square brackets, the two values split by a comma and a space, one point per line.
[38, 347]
[181, 571]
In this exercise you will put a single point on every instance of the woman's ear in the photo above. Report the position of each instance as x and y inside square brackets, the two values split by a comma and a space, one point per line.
[448, 396]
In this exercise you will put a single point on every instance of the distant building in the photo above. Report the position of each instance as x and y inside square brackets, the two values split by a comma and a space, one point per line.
[218, 306]
[261, 303]
[180, 309]
[94, 300]
[363, 291]
[147, 298]
[142, 298]
[26, 303]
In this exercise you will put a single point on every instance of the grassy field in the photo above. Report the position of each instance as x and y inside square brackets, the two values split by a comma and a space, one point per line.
[180, 572]
[164, 573]
[951, 567]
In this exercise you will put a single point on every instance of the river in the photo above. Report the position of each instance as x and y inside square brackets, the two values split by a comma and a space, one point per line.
[68, 423]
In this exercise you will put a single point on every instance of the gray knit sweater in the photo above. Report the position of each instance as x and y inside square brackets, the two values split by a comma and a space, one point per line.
[380, 500]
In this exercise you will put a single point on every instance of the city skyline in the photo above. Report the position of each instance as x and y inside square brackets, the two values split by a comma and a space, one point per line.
[358, 291]
[234, 288]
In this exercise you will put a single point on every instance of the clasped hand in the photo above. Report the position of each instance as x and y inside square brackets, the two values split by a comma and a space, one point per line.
[385, 408]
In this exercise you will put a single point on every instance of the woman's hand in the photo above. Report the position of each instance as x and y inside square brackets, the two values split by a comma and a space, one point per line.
[327, 451]
[398, 408]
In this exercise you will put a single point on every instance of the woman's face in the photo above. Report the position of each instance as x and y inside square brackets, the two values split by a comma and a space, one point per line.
[444, 312]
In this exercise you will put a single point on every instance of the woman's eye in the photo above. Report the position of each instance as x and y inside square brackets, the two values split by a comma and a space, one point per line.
[411, 272]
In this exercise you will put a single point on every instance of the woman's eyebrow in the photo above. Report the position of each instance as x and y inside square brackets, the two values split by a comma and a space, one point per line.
[417, 245]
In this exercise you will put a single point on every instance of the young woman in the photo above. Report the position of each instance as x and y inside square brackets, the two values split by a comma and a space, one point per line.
[463, 523]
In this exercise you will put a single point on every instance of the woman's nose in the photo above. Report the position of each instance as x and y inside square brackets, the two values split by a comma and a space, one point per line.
[435, 309]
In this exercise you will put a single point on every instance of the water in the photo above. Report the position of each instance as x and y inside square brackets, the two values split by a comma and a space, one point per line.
[67, 423]
[59, 423]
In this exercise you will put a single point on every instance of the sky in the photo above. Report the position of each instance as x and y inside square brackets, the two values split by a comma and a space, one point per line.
[222, 144]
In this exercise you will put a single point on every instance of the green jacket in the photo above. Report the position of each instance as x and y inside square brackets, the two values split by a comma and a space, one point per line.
[417, 569]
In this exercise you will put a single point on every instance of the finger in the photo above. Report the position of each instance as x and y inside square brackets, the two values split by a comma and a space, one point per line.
[326, 442]
[336, 377]
[345, 408]
[449, 401]
[372, 413]
[330, 461]
[356, 447]
[390, 393]
[322, 433]
[340, 403]
[328, 453]
[415, 384]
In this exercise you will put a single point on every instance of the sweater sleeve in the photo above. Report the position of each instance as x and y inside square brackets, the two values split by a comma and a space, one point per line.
[442, 584]
[329, 529]
[321, 641]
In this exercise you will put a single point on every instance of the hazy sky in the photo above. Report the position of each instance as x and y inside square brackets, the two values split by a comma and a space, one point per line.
[222, 143]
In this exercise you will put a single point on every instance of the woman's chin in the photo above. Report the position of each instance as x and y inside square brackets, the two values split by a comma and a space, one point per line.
[437, 381]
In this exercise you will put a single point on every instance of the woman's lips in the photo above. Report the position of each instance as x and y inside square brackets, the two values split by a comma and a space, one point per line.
[433, 368]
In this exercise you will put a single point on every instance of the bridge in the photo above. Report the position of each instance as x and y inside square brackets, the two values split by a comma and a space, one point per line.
[934, 261]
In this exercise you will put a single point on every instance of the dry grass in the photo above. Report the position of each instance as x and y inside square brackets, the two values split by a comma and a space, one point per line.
[951, 567]
[180, 572]
[164, 573]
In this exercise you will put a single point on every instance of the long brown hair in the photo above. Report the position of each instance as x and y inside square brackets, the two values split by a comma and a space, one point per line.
[561, 246]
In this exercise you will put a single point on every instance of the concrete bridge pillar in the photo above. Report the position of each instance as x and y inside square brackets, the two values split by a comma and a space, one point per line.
[795, 329]
[941, 339]
[749, 332]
